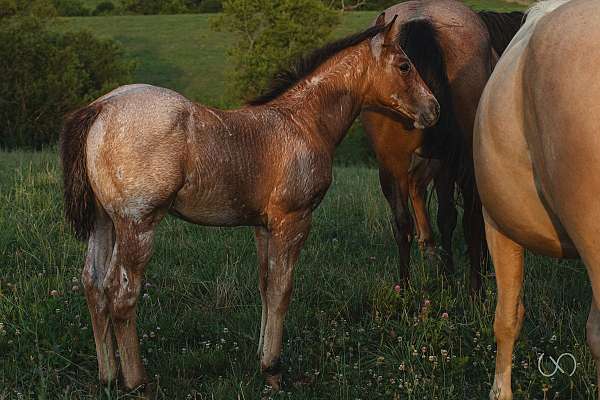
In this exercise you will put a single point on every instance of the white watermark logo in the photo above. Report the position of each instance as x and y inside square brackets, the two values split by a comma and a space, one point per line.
[557, 366]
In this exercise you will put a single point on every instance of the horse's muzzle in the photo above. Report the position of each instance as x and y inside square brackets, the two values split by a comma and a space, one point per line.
[430, 117]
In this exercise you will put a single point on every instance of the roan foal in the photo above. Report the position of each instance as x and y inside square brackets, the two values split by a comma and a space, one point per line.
[141, 152]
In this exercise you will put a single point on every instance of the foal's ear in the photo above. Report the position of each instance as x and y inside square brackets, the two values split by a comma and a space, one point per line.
[388, 32]
[380, 20]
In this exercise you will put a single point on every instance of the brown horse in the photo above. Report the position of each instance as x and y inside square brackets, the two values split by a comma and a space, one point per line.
[536, 161]
[141, 152]
[454, 49]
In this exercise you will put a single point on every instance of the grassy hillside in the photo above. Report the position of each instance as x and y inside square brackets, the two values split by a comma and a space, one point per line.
[182, 52]
[348, 335]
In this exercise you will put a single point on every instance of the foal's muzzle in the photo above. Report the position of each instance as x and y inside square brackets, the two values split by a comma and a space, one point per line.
[429, 117]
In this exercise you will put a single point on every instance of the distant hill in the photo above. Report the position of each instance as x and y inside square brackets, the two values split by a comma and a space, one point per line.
[182, 52]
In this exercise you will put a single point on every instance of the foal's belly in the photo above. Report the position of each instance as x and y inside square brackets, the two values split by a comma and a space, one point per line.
[215, 206]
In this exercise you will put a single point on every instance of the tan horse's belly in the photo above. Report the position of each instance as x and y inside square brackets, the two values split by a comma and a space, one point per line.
[505, 176]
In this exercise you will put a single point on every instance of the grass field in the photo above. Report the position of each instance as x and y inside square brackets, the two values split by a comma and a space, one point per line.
[348, 335]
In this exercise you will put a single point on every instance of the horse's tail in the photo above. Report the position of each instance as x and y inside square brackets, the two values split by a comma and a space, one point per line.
[80, 205]
[502, 27]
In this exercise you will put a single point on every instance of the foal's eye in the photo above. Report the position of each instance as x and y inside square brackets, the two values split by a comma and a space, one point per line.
[404, 67]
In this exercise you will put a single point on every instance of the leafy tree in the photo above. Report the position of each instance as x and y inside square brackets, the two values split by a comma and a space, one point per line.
[71, 8]
[104, 8]
[268, 35]
[46, 74]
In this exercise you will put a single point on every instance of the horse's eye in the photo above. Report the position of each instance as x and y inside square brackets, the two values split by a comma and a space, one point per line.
[405, 67]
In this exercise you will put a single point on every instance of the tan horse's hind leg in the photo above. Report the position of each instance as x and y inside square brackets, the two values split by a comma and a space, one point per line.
[288, 233]
[262, 249]
[134, 239]
[97, 261]
[510, 312]
[593, 336]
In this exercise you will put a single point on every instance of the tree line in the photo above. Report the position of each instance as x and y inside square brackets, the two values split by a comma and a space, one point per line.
[46, 73]
[71, 8]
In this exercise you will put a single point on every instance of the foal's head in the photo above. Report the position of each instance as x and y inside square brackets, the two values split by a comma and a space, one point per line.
[394, 82]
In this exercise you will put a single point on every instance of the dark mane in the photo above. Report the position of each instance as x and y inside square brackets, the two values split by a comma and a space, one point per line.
[421, 44]
[502, 27]
[307, 64]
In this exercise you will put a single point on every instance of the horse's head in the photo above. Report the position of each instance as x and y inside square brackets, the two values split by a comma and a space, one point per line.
[394, 82]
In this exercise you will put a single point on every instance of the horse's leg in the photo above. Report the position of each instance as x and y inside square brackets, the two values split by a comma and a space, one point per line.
[507, 257]
[262, 248]
[419, 176]
[473, 227]
[447, 215]
[288, 233]
[593, 337]
[394, 184]
[99, 252]
[134, 239]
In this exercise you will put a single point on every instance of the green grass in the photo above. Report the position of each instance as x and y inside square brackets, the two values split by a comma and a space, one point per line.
[347, 335]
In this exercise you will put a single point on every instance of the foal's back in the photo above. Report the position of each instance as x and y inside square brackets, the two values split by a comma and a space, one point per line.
[151, 148]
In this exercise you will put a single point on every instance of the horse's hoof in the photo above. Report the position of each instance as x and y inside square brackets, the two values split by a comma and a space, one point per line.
[274, 381]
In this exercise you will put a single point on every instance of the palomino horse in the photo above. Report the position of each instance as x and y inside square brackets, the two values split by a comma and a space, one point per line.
[535, 141]
[141, 152]
[454, 49]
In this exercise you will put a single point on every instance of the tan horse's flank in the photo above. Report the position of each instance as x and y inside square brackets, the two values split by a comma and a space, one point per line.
[536, 158]
[451, 47]
[141, 152]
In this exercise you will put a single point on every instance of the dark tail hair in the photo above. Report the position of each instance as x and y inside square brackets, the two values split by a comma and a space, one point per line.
[502, 27]
[80, 206]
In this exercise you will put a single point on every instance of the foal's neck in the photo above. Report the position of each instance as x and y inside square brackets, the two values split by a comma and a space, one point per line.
[327, 102]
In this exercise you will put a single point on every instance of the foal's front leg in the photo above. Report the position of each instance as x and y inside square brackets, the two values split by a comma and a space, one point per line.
[287, 235]
[262, 250]
[508, 264]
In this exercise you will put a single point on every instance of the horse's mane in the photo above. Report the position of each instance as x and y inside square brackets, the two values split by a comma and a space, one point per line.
[421, 44]
[444, 141]
[502, 27]
[307, 64]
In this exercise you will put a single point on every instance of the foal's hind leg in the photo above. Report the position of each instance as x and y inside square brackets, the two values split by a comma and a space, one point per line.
[97, 260]
[508, 264]
[123, 282]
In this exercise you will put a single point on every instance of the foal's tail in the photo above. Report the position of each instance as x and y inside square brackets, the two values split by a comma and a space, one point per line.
[80, 206]
[502, 27]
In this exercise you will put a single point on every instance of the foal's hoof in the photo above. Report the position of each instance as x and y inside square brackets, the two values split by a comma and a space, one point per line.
[144, 391]
[274, 381]
[273, 374]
